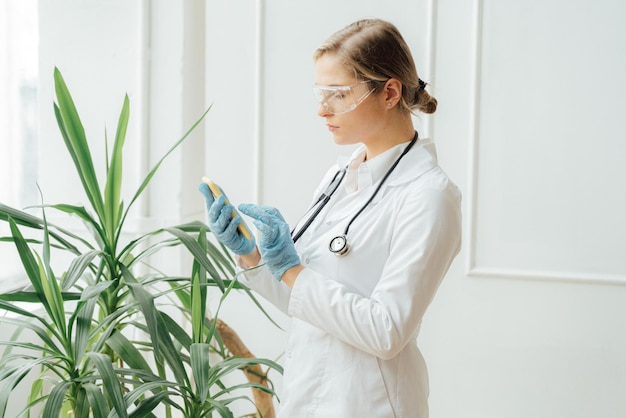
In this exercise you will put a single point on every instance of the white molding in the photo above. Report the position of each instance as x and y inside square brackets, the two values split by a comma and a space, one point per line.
[259, 93]
[554, 276]
[474, 128]
[431, 45]
[145, 74]
[472, 269]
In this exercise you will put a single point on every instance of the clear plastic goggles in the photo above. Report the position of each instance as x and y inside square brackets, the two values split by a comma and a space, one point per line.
[341, 99]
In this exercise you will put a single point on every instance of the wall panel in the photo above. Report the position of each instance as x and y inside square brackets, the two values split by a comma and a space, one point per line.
[528, 125]
[547, 165]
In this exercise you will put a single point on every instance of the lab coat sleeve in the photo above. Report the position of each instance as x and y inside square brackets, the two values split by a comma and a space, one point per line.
[262, 281]
[426, 238]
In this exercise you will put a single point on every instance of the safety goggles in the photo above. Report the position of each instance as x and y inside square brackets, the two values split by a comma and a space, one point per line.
[340, 99]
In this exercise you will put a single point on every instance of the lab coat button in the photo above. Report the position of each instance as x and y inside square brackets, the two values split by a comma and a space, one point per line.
[307, 261]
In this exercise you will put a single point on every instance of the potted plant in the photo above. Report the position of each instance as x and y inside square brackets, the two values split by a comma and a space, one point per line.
[98, 332]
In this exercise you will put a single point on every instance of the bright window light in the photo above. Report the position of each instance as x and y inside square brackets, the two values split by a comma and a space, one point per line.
[19, 38]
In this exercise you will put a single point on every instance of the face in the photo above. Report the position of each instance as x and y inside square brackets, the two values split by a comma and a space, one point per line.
[365, 120]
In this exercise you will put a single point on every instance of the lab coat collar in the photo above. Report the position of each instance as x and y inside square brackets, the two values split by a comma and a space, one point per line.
[421, 158]
[362, 174]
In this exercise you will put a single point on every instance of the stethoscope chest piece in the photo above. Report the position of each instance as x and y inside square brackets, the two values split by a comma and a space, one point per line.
[339, 245]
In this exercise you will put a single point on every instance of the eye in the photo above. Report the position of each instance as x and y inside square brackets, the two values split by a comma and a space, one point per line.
[337, 95]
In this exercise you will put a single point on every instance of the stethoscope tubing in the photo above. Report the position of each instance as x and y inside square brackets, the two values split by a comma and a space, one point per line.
[342, 240]
[380, 185]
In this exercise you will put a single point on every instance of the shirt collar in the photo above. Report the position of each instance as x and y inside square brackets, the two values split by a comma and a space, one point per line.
[421, 158]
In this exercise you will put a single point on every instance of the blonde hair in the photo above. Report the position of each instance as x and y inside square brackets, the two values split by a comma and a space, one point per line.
[375, 50]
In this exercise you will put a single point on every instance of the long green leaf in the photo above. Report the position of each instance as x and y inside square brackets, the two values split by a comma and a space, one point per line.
[171, 355]
[220, 407]
[35, 391]
[18, 310]
[198, 294]
[177, 331]
[197, 318]
[82, 214]
[154, 169]
[25, 219]
[77, 268]
[97, 401]
[17, 374]
[199, 254]
[55, 401]
[110, 382]
[220, 255]
[83, 327]
[146, 303]
[95, 290]
[53, 298]
[112, 189]
[200, 368]
[107, 325]
[41, 332]
[211, 332]
[127, 351]
[147, 405]
[20, 217]
[73, 134]
[31, 266]
[152, 249]
[81, 406]
[224, 367]
[24, 296]
[36, 348]
[246, 385]
[50, 284]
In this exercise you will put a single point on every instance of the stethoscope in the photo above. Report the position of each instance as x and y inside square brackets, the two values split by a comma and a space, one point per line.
[339, 244]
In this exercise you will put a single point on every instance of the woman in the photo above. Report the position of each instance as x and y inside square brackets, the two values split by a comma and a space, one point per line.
[371, 252]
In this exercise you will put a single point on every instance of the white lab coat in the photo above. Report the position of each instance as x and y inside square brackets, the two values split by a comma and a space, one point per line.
[351, 348]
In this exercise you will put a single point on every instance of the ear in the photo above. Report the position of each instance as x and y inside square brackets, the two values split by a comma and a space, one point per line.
[392, 92]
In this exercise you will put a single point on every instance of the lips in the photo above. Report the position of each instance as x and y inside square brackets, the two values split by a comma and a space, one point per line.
[332, 128]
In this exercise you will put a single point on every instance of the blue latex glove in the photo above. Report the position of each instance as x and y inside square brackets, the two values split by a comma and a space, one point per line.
[222, 223]
[275, 244]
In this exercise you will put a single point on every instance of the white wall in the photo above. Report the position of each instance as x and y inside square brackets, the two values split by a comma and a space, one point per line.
[530, 321]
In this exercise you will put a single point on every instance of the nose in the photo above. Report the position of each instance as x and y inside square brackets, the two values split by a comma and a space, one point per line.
[322, 111]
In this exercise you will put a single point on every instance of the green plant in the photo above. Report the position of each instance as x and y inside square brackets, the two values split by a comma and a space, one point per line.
[84, 321]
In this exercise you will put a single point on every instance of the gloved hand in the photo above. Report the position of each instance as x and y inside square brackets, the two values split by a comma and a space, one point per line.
[275, 244]
[222, 223]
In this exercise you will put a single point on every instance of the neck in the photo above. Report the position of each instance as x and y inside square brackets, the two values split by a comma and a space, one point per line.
[388, 137]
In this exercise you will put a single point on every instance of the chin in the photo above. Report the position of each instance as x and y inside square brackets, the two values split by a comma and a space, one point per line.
[341, 140]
